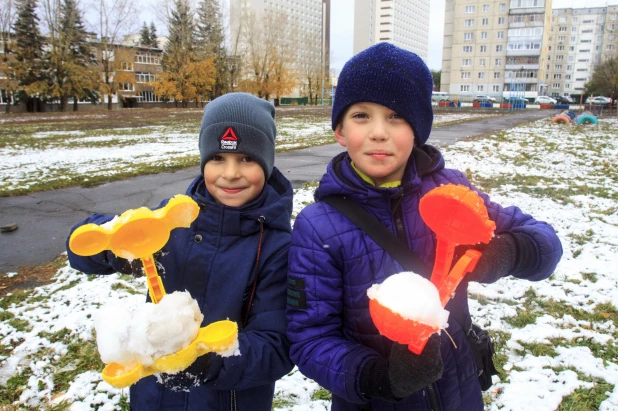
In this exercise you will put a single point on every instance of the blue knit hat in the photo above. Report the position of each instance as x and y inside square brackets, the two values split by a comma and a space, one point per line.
[239, 123]
[390, 76]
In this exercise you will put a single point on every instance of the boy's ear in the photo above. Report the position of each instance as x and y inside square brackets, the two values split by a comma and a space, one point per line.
[339, 136]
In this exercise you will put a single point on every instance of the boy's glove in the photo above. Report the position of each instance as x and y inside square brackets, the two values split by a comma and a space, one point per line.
[403, 372]
[193, 376]
[507, 253]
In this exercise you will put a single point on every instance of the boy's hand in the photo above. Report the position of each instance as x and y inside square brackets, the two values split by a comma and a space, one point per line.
[403, 372]
[191, 377]
[506, 254]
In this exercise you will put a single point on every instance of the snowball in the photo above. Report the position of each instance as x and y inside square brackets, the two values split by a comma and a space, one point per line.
[411, 296]
[144, 335]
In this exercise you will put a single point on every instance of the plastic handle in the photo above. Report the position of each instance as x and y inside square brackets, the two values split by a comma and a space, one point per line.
[155, 285]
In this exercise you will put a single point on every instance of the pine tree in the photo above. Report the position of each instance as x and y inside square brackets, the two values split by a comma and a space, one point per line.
[80, 59]
[144, 38]
[28, 51]
[209, 36]
[184, 75]
[154, 42]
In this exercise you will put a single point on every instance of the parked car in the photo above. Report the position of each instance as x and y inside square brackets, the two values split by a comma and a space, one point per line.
[516, 100]
[564, 100]
[544, 100]
[598, 100]
[484, 99]
[439, 96]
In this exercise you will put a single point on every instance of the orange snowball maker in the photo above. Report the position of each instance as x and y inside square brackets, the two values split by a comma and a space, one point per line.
[458, 216]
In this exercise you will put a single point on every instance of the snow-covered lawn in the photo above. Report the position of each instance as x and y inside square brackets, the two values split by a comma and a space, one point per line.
[45, 156]
[556, 339]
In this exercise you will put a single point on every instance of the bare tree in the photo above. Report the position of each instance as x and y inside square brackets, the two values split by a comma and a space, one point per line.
[8, 83]
[115, 18]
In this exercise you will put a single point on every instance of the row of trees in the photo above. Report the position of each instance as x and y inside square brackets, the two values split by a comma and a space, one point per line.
[195, 65]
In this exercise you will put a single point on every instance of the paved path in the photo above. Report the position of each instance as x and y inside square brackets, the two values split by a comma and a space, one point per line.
[45, 218]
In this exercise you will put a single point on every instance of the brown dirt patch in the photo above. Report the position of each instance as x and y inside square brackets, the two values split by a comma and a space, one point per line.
[30, 276]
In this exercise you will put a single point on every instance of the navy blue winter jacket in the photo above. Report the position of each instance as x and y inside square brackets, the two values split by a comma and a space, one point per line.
[214, 260]
[333, 263]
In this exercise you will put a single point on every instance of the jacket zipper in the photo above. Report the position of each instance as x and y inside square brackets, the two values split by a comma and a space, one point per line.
[434, 403]
[233, 401]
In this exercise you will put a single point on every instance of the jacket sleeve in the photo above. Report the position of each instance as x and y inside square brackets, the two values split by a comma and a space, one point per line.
[315, 310]
[547, 244]
[264, 348]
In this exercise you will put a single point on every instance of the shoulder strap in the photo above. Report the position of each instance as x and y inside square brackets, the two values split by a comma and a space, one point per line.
[390, 243]
[380, 234]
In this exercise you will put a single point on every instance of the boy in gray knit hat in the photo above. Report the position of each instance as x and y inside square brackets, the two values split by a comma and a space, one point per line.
[232, 259]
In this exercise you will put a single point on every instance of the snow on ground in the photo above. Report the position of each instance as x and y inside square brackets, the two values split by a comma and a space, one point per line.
[63, 155]
[558, 336]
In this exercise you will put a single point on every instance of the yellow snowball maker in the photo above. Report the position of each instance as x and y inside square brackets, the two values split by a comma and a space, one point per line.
[139, 233]
[217, 337]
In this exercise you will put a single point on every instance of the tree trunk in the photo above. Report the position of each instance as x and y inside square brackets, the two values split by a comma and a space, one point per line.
[109, 101]
[63, 104]
[74, 103]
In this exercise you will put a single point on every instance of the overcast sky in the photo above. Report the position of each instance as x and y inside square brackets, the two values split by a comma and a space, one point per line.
[342, 28]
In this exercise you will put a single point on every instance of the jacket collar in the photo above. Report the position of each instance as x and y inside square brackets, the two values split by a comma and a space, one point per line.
[274, 204]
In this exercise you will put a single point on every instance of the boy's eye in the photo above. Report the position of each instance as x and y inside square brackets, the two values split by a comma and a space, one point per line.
[396, 116]
[247, 159]
[359, 115]
[217, 158]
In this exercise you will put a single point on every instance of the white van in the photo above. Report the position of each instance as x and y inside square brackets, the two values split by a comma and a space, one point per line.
[439, 96]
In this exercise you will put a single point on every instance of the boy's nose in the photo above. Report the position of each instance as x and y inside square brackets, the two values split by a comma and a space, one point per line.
[378, 132]
[231, 170]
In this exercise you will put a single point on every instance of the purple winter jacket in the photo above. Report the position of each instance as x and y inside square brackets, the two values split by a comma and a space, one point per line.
[332, 263]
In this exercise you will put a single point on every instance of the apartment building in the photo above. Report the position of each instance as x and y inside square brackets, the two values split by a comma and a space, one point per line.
[404, 23]
[309, 24]
[579, 40]
[495, 47]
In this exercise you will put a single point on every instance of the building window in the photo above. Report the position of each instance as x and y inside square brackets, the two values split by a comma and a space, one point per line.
[502, 6]
[496, 74]
[500, 20]
[479, 88]
[557, 76]
[483, 35]
[483, 49]
[558, 67]
[125, 87]
[126, 66]
[468, 36]
[498, 62]
[560, 48]
[563, 19]
[146, 58]
[560, 57]
[485, 8]
[467, 49]
[567, 86]
[144, 77]
[464, 87]
[481, 62]
[561, 38]
[466, 62]
[485, 22]
[469, 22]
[562, 28]
[556, 85]
[465, 75]
[481, 75]
[496, 88]
[470, 9]
[499, 47]
[500, 34]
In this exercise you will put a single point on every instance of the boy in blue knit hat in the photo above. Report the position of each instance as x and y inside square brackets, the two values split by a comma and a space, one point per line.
[232, 259]
[382, 115]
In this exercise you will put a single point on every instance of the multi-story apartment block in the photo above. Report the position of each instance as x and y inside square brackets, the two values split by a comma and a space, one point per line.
[495, 47]
[309, 24]
[579, 40]
[404, 23]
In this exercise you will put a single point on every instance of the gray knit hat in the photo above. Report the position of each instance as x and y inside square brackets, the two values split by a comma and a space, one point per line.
[239, 123]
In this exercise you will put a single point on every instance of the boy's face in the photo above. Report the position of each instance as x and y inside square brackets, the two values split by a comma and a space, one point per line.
[377, 139]
[233, 179]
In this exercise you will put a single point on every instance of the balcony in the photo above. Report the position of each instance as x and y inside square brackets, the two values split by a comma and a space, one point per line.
[519, 66]
[532, 52]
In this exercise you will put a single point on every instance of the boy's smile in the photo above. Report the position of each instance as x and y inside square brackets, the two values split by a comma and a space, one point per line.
[233, 179]
[378, 141]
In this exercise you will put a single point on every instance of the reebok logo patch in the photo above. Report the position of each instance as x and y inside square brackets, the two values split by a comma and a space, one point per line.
[297, 297]
[229, 141]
